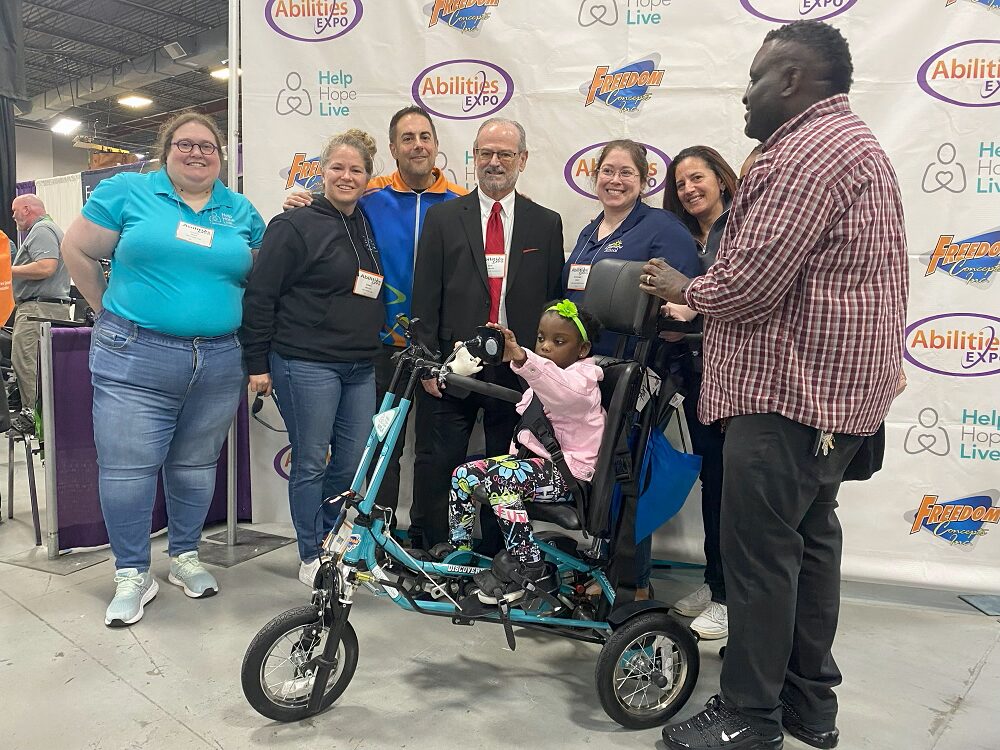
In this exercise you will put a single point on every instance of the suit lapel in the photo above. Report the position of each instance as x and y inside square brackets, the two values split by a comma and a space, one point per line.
[473, 223]
[518, 238]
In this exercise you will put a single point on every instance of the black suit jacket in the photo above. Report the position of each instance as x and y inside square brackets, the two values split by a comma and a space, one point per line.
[450, 289]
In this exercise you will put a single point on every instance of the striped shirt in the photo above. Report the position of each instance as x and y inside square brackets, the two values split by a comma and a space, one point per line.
[806, 304]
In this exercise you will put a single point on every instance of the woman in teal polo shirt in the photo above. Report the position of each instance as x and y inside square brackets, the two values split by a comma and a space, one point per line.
[166, 365]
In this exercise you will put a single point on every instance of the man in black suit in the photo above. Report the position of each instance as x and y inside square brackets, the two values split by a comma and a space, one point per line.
[492, 255]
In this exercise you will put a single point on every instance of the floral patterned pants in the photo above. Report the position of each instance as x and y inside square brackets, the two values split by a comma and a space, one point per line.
[509, 482]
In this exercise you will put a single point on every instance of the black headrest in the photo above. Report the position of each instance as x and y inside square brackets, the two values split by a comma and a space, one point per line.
[613, 296]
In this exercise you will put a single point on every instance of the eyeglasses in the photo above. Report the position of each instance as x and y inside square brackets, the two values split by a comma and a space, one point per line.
[186, 147]
[625, 174]
[505, 157]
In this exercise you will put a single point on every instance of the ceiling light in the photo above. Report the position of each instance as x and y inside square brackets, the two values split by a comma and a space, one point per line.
[135, 101]
[223, 73]
[140, 154]
[65, 126]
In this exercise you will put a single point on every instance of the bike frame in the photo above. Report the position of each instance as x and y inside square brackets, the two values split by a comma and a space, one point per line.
[359, 565]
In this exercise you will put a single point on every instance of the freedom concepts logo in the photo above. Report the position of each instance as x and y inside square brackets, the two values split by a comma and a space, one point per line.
[581, 169]
[966, 74]
[959, 345]
[464, 15]
[307, 172]
[958, 522]
[785, 11]
[463, 89]
[988, 4]
[624, 88]
[313, 20]
[974, 260]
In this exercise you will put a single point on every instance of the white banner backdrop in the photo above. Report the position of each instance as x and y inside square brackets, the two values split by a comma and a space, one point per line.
[927, 80]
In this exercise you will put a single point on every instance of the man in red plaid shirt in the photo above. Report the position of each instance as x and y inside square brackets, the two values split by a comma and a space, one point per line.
[805, 316]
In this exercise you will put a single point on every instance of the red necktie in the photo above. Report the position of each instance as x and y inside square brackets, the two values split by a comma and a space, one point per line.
[494, 246]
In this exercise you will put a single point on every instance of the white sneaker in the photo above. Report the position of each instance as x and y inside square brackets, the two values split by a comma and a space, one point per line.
[694, 604]
[713, 623]
[134, 590]
[308, 571]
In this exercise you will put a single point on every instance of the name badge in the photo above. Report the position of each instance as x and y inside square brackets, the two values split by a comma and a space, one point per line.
[579, 273]
[368, 284]
[195, 234]
[495, 265]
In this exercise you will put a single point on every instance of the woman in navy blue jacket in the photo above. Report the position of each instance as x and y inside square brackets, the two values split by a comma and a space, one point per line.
[626, 228]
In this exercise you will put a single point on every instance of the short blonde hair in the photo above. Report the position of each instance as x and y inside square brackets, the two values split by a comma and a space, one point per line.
[357, 139]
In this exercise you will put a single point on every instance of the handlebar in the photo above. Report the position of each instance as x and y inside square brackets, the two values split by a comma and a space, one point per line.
[486, 389]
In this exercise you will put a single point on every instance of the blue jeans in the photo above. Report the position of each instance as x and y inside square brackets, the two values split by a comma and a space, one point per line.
[160, 402]
[327, 406]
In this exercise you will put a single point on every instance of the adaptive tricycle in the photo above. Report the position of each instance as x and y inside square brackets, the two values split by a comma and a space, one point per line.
[304, 659]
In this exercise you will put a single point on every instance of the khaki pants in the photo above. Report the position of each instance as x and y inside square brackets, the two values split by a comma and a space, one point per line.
[24, 345]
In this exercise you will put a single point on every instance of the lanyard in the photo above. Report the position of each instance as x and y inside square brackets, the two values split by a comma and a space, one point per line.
[601, 246]
[369, 242]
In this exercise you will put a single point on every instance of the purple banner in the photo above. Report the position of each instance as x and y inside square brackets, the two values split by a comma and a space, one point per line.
[90, 178]
[23, 188]
[79, 507]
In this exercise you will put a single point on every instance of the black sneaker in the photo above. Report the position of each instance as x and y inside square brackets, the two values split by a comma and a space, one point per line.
[792, 722]
[492, 588]
[718, 727]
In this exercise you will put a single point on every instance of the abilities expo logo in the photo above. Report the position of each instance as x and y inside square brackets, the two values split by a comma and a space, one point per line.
[463, 89]
[957, 345]
[581, 169]
[974, 260]
[786, 11]
[958, 522]
[313, 20]
[466, 16]
[624, 88]
[966, 74]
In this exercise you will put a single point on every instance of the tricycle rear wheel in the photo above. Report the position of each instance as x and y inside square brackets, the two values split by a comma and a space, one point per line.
[647, 670]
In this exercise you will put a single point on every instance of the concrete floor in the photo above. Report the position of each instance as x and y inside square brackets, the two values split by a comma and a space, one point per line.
[922, 669]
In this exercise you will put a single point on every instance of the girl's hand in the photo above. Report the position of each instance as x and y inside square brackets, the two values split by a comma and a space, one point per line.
[298, 199]
[512, 351]
[678, 312]
[261, 384]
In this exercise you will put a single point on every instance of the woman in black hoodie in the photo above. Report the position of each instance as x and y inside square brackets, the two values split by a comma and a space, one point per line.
[312, 312]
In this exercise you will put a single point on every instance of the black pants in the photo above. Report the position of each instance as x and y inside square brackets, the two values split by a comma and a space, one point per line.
[781, 546]
[706, 441]
[444, 445]
[388, 493]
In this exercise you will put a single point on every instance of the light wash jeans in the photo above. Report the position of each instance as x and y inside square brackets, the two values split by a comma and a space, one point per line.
[327, 406]
[160, 402]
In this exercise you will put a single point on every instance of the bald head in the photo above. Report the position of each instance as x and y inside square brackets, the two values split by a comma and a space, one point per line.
[27, 209]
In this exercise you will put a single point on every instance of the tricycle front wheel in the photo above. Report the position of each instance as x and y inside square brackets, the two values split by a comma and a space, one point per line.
[279, 670]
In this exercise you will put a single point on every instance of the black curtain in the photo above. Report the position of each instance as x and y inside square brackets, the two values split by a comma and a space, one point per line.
[11, 88]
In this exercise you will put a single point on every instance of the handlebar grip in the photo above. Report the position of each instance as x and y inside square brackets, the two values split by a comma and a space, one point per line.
[487, 389]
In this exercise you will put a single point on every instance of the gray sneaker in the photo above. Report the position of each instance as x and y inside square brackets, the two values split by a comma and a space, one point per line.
[187, 572]
[135, 590]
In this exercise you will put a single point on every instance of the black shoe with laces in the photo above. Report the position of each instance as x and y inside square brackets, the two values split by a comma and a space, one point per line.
[793, 724]
[718, 727]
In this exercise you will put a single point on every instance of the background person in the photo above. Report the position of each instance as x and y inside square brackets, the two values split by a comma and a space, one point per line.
[396, 205]
[805, 313]
[311, 319]
[165, 362]
[40, 284]
[491, 256]
[699, 187]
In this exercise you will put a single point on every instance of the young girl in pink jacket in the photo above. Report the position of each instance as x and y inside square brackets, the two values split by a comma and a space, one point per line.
[567, 383]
